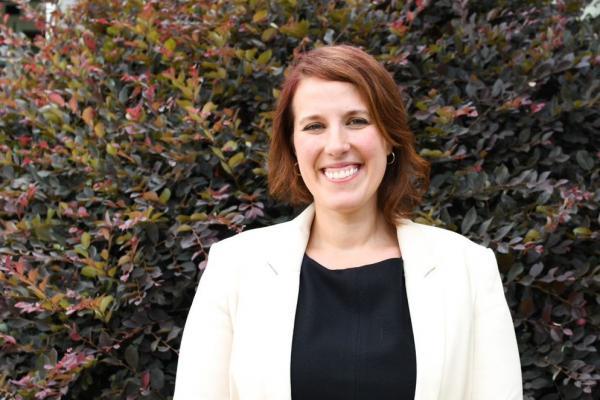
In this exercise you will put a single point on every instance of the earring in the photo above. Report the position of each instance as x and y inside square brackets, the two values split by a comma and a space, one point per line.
[393, 158]
[298, 168]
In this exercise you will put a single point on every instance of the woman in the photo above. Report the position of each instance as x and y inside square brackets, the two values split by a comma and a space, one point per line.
[349, 300]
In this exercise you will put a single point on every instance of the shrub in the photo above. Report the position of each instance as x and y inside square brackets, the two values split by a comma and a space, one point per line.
[134, 136]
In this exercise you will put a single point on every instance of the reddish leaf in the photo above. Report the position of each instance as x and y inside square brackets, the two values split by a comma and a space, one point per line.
[467, 110]
[135, 113]
[24, 140]
[145, 380]
[8, 340]
[399, 28]
[73, 333]
[89, 41]
[73, 104]
[56, 99]
[28, 307]
[536, 107]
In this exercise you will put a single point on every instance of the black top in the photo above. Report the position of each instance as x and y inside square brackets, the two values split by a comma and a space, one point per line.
[353, 337]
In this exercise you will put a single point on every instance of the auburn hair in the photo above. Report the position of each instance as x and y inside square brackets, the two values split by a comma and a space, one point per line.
[405, 181]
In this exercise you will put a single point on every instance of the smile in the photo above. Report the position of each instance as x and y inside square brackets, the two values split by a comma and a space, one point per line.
[341, 174]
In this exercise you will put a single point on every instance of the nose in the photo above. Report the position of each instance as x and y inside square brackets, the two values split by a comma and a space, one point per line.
[337, 140]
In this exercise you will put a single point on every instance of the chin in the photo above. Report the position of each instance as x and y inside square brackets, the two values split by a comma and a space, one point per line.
[344, 206]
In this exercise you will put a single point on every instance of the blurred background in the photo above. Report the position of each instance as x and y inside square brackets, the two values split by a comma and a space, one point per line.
[134, 134]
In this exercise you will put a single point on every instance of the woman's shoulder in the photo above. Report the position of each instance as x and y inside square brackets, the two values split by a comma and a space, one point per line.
[446, 245]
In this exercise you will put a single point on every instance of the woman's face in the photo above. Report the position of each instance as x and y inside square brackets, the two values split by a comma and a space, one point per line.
[341, 154]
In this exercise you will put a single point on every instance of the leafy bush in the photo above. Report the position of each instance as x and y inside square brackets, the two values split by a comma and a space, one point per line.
[134, 135]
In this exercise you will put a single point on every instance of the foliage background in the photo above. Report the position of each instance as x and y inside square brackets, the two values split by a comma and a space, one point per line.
[135, 134]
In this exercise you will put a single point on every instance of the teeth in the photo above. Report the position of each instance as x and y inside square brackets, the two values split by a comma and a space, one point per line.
[341, 174]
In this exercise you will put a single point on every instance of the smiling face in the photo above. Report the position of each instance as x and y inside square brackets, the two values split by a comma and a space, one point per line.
[341, 153]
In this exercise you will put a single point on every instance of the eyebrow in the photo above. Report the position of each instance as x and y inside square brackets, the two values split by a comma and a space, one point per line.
[346, 114]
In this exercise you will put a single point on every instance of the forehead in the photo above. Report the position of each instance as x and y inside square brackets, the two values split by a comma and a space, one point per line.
[316, 96]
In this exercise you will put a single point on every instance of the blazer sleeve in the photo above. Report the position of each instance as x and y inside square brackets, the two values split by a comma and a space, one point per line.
[203, 366]
[496, 373]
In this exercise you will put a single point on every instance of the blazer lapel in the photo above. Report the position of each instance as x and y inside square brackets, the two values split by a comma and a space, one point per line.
[289, 245]
[425, 302]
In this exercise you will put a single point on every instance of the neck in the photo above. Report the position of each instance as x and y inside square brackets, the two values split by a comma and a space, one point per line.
[362, 229]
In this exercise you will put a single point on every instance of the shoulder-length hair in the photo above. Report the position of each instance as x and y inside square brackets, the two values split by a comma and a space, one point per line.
[406, 179]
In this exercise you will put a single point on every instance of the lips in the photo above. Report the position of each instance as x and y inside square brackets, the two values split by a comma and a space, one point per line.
[341, 172]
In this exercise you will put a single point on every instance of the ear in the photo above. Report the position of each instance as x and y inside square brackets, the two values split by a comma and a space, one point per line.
[388, 148]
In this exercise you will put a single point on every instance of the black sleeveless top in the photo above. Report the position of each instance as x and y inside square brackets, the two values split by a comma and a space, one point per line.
[353, 338]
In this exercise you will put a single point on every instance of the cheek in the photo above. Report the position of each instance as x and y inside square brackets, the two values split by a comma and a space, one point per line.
[306, 151]
[373, 147]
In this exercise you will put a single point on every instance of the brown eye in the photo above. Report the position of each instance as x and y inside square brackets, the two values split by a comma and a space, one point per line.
[312, 127]
[358, 121]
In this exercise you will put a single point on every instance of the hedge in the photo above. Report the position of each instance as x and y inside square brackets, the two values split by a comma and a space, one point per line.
[134, 135]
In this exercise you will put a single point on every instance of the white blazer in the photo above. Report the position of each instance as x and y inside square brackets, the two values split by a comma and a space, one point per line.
[237, 340]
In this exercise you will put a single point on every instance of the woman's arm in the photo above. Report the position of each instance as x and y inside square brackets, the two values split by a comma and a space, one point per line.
[203, 366]
[496, 370]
